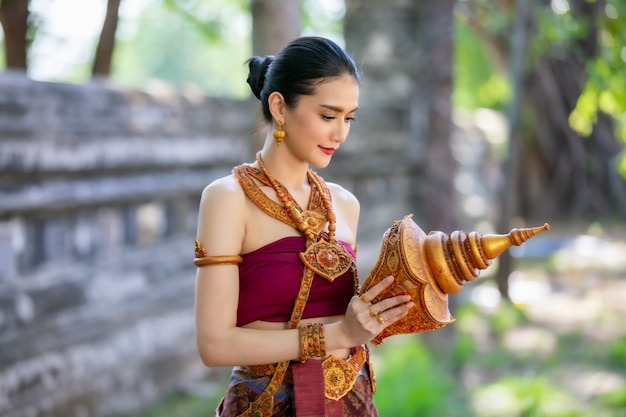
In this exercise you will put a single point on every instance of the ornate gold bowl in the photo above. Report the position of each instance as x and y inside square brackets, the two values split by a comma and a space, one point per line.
[431, 266]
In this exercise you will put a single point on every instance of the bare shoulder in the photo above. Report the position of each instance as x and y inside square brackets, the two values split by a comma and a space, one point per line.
[225, 189]
[221, 216]
[342, 196]
[346, 205]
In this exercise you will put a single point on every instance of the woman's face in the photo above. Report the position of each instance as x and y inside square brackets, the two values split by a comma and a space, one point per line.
[320, 123]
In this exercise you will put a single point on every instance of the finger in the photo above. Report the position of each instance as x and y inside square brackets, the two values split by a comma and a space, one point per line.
[377, 289]
[392, 315]
[391, 302]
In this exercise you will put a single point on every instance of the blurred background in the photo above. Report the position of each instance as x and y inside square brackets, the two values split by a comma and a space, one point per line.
[474, 115]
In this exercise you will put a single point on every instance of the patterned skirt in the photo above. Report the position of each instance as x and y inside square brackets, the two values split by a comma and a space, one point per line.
[245, 387]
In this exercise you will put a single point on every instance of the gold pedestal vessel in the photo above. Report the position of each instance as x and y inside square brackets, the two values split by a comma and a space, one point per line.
[431, 266]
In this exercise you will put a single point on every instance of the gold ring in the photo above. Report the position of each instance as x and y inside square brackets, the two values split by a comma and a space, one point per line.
[373, 313]
[380, 319]
[365, 299]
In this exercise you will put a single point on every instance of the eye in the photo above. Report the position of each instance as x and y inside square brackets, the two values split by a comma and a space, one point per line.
[327, 117]
[350, 119]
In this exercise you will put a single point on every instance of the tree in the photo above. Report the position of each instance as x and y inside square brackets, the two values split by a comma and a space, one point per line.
[573, 175]
[14, 19]
[565, 155]
[106, 44]
[405, 50]
[274, 24]
[508, 200]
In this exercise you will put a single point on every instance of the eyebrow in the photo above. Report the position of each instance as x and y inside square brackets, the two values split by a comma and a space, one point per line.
[337, 109]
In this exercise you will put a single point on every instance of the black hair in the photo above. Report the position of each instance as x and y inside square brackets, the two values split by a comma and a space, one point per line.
[297, 70]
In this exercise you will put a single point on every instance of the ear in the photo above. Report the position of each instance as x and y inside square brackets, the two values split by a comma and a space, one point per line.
[276, 103]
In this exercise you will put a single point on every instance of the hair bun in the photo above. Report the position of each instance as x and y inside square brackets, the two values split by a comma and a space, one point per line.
[256, 76]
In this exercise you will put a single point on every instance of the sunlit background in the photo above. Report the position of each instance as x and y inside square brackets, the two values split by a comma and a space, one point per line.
[557, 348]
[157, 43]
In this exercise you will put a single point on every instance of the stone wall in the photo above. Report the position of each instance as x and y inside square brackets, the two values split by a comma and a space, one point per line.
[99, 190]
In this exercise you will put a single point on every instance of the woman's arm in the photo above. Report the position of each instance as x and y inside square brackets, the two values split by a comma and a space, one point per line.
[221, 230]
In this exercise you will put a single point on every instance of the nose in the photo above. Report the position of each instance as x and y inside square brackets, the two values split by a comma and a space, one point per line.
[340, 133]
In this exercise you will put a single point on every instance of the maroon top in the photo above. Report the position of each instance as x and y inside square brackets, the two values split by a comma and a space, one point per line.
[269, 280]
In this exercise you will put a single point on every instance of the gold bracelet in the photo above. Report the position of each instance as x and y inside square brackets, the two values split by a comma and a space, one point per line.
[312, 341]
[304, 343]
[319, 340]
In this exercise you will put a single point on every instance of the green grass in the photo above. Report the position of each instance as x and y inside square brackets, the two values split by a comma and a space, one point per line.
[413, 381]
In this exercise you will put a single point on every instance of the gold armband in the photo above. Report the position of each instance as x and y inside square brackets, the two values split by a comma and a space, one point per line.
[218, 260]
[202, 259]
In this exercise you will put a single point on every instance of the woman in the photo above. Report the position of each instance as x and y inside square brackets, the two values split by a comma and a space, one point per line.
[276, 283]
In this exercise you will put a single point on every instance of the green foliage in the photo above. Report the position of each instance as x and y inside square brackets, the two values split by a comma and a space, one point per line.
[554, 29]
[615, 399]
[477, 83]
[480, 82]
[617, 353]
[212, 19]
[605, 89]
[536, 396]
[507, 318]
[412, 381]
[179, 404]
[206, 44]
[167, 45]
[464, 349]
[183, 405]
[323, 18]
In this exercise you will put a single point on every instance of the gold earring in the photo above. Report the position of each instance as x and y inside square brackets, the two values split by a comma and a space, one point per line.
[279, 133]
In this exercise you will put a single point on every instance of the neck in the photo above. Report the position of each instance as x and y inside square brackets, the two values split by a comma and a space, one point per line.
[285, 169]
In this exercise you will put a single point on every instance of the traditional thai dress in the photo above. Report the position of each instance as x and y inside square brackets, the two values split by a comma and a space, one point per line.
[270, 280]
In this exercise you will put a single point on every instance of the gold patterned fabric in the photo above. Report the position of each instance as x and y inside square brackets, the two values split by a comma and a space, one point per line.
[339, 374]
[246, 386]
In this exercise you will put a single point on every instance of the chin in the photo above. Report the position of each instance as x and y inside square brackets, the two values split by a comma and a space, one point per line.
[321, 163]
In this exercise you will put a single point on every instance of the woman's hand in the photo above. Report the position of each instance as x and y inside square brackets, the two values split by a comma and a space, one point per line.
[364, 320]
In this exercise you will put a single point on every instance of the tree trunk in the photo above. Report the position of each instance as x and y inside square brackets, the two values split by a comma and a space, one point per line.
[14, 19]
[435, 81]
[106, 43]
[555, 174]
[508, 193]
[567, 175]
[405, 50]
[275, 23]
